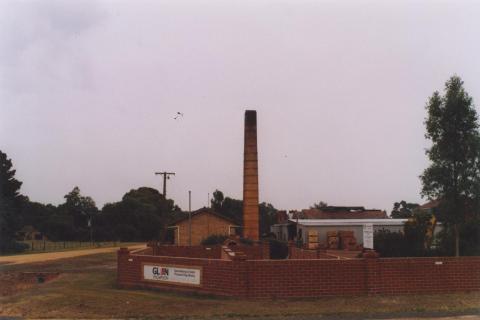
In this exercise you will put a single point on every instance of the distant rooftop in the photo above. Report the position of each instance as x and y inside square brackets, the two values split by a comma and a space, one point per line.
[181, 216]
[348, 222]
[338, 212]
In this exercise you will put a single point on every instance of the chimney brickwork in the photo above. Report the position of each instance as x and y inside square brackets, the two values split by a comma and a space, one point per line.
[250, 178]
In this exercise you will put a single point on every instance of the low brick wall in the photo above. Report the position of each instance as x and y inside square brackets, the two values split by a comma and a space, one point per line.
[299, 253]
[305, 278]
[310, 278]
[252, 252]
[220, 277]
[209, 252]
[423, 275]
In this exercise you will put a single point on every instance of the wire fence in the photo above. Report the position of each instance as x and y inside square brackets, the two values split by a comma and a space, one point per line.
[45, 245]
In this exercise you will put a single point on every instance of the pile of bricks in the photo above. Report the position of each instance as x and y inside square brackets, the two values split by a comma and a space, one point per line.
[344, 240]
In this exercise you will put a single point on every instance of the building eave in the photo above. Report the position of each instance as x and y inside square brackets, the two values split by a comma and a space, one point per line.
[349, 222]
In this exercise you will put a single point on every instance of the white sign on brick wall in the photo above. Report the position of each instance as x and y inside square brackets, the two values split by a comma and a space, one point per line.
[172, 274]
[368, 236]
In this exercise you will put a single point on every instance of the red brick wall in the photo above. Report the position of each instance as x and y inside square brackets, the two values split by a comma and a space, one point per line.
[253, 252]
[210, 252]
[313, 278]
[305, 278]
[221, 277]
[424, 275]
[299, 253]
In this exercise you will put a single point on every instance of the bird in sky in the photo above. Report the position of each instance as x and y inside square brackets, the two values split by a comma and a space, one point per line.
[179, 114]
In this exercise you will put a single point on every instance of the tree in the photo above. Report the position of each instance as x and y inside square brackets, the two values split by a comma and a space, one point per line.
[151, 196]
[142, 214]
[10, 201]
[9, 186]
[403, 209]
[228, 207]
[268, 217]
[217, 200]
[319, 205]
[453, 176]
[80, 209]
[416, 231]
[233, 209]
[36, 214]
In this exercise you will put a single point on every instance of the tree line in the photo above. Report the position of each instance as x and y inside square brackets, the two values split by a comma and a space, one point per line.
[141, 215]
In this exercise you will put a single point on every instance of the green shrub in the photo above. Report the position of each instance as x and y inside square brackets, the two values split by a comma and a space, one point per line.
[278, 249]
[246, 241]
[411, 243]
[214, 239]
[469, 239]
[389, 244]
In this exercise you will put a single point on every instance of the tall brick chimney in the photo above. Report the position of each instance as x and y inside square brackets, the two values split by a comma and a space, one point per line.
[250, 177]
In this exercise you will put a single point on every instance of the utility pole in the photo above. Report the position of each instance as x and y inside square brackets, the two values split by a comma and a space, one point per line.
[166, 175]
[91, 231]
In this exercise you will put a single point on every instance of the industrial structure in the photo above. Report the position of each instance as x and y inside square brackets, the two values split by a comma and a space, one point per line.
[250, 178]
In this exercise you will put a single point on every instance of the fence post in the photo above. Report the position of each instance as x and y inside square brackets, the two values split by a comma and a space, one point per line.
[43, 244]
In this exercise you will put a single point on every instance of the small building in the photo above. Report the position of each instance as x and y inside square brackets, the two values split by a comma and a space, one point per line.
[205, 222]
[324, 227]
[337, 227]
[301, 225]
[28, 233]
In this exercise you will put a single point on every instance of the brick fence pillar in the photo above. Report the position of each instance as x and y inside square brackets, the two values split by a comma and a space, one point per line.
[265, 250]
[291, 246]
[239, 280]
[122, 259]
[372, 274]
[320, 252]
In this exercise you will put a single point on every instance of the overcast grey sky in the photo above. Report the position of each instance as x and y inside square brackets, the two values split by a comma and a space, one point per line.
[89, 91]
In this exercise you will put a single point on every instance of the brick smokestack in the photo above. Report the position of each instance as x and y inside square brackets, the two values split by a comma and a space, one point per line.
[250, 177]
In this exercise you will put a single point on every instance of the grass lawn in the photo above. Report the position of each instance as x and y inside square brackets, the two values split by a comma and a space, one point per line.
[86, 289]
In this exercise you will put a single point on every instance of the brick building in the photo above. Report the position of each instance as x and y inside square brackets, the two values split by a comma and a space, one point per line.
[205, 222]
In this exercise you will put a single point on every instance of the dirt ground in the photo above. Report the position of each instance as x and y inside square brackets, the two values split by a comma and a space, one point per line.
[48, 256]
[86, 288]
